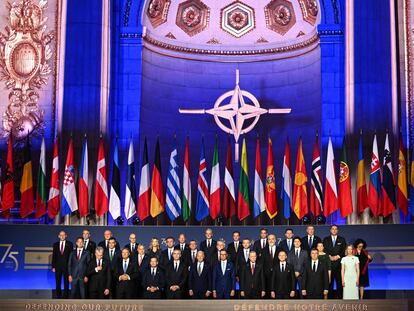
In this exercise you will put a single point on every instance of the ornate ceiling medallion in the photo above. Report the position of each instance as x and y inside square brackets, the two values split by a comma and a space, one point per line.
[309, 10]
[157, 11]
[280, 16]
[237, 19]
[24, 66]
[193, 16]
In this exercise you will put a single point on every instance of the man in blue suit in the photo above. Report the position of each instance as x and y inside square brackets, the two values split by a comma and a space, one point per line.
[224, 278]
[78, 262]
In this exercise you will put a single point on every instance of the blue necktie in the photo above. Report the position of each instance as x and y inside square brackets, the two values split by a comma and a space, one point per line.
[125, 266]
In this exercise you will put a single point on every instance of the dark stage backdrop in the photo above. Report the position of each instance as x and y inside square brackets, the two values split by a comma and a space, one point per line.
[25, 250]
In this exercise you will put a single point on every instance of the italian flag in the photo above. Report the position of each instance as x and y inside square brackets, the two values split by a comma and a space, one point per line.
[215, 185]
[243, 200]
[186, 202]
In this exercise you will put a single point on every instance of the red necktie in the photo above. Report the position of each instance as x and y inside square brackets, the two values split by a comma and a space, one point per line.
[62, 249]
[140, 260]
[252, 268]
[79, 253]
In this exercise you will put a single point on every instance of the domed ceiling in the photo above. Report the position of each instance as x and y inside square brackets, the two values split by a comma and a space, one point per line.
[231, 28]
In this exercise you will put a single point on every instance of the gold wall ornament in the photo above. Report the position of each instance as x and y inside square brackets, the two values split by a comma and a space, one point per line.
[25, 53]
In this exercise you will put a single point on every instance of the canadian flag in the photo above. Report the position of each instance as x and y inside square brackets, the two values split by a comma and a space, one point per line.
[101, 185]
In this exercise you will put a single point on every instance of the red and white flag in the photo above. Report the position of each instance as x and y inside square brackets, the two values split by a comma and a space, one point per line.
[330, 203]
[101, 185]
[54, 200]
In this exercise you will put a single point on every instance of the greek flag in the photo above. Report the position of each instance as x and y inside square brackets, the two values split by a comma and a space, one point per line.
[173, 198]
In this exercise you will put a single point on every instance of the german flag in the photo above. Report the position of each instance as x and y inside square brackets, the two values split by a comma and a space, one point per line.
[157, 189]
[26, 185]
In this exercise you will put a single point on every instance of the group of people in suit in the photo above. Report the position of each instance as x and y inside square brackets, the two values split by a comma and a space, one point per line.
[301, 267]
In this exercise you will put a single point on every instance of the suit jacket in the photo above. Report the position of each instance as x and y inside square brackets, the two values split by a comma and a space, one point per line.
[315, 282]
[77, 269]
[231, 251]
[334, 250]
[144, 263]
[101, 280]
[241, 262]
[298, 263]
[208, 251]
[257, 247]
[190, 259]
[103, 244]
[185, 255]
[199, 284]
[90, 247]
[156, 281]
[113, 262]
[284, 246]
[132, 271]
[224, 282]
[252, 284]
[178, 277]
[214, 259]
[283, 282]
[133, 253]
[60, 261]
[268, 261]
[305, 243]
[164, 261]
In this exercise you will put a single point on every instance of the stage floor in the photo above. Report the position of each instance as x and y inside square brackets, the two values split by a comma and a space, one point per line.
[208, 305]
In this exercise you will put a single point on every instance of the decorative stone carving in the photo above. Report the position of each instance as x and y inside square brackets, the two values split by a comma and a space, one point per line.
[309, 10]
[193, 16]
[280, 16]
[24, 66]
[237, 19]
[157, 11]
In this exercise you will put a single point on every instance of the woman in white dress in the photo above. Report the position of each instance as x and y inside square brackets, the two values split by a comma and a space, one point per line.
[350, 274]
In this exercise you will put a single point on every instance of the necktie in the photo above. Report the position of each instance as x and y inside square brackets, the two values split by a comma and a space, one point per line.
[62, 248]
[153, 272]
[193, 256]
[79, 254]
[99, 262]
[289, 244]
[208, 243]
[132, 248]
[169, 254]
[246, 255]
[125, 266]
[106, 243]
[297, 253]
[263, 243]
[223, 268]
[252, 268]
[182, 248]
[310, 242]
[283, 267]
[199, 269]
[334, 240]
[314, 266]
[271, 251]
[236, 246]
[86, 244]
[111, 254]
[140, 260]
[176, 267]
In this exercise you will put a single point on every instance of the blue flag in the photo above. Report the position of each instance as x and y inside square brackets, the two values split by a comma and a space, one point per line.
[173, 197]
[202, 204]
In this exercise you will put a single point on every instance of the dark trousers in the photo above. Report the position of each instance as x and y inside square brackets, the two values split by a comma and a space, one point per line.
[223, 294]
[282, 296]
[199, 295]
[78, 289]
[124, 291]
[178, 294]
[314, 296]
[97, 295]
[59, 274]
[149, 295]
[336, 276]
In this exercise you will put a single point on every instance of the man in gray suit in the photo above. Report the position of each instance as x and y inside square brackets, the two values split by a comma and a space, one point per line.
[298, 258]
[78, 262]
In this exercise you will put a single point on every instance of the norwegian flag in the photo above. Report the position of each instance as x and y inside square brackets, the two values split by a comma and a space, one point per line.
[101, 185]
[69, 201]
[316, 194]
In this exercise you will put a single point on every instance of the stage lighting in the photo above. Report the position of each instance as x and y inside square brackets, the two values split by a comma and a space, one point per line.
[119, 221]
[321, 220]
[135, 221]
[307, 219]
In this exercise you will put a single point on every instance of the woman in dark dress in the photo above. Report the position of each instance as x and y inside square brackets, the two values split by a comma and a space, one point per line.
[361, 252]
[154, 249]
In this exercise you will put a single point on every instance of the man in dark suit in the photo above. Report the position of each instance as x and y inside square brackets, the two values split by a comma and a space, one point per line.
[78, 262]
[166, 255]
[176, 277]
[184, 248]
[310, 241]
[287, 243]
[298, 258]
[60, 259]
[98, 276]
[143, 264]
[88, 244]
[269, 260]
[153, 280]
[283, 284]
[215, 257]
[208, 246]
[315, 280]
[105, 242]
[243, 257]
[192, 252]
[234, 248]
[125, 276]
[132, 245]
[261, 244]
[335, 246]
[112, 254]
[224, 278]
[199, 279]
[252, 283]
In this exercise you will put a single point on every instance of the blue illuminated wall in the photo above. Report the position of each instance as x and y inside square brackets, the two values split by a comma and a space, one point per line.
[391, 269]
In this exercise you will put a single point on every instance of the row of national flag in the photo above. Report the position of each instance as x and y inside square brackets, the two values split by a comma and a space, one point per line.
[385, 193]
